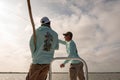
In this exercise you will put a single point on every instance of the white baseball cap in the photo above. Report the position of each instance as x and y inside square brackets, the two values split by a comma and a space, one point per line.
[44, 20]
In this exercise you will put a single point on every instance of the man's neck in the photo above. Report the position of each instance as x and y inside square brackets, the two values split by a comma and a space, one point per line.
[69, 40]
[46, 25]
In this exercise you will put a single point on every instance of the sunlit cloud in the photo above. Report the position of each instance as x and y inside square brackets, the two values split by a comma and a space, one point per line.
[94, 23]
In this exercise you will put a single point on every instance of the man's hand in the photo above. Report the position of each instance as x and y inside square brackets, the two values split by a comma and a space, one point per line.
[62, 65]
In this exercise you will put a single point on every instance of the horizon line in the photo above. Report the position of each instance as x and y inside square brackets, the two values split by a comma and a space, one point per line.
[60, 72]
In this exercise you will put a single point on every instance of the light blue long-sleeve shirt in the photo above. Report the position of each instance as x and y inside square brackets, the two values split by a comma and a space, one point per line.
[46, 43]
[71, 50]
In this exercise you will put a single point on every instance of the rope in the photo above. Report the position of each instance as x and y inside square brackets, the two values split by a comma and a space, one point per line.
[32, 22]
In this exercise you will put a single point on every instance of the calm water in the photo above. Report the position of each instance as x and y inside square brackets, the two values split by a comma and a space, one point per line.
[92, 76]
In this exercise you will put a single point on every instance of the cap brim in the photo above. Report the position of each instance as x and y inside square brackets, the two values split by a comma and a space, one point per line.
[64, 34]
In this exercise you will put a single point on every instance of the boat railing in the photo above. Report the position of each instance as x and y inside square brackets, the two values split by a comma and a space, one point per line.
[66, 58]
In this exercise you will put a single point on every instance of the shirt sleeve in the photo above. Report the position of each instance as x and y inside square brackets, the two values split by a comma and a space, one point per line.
[57, 44]
[62, 42]
[32, 46]
[66, 61]
[71, 51]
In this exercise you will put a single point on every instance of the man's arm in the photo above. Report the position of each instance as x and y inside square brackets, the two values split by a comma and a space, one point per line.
[62, 42]
[57, 44]
[32, 47]
[71, 52]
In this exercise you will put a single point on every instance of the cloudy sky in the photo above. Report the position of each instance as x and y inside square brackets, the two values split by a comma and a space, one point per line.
[94, 23]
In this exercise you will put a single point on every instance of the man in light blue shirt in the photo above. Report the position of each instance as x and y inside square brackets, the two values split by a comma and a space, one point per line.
[76, 67]
[46, 43]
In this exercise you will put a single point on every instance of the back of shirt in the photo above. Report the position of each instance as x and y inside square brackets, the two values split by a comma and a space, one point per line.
[47, 43]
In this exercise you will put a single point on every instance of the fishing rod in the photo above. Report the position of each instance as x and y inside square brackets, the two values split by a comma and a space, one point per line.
[32, 22]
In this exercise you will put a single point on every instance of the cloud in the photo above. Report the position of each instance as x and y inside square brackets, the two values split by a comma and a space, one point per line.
[98, 30]
[95, 25]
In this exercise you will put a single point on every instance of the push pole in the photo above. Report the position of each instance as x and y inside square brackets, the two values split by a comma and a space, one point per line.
[32, 22]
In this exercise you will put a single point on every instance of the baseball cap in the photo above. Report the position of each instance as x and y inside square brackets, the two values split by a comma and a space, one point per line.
[45, 20]
[68, 33]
